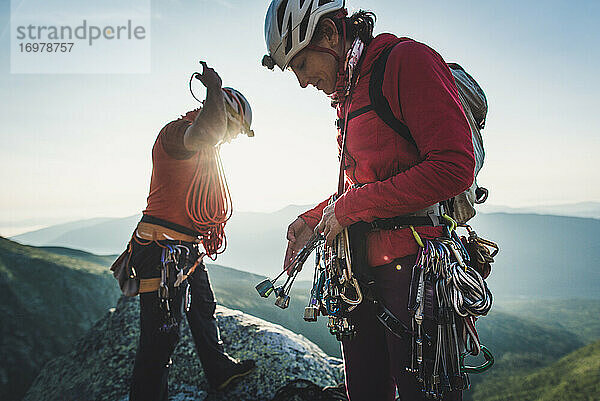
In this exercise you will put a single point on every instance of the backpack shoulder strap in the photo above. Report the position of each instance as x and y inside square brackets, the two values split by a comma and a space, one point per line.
[378, 100]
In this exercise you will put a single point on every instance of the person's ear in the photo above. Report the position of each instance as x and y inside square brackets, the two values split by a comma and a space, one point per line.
[330, 33]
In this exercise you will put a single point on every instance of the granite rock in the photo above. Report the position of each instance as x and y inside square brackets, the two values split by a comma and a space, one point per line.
[99, 366]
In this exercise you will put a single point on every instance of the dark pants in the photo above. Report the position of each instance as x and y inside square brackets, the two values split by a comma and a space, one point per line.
[375, 360]
[153, 358]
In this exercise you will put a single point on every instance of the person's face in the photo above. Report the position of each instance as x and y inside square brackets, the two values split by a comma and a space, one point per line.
[317, 68]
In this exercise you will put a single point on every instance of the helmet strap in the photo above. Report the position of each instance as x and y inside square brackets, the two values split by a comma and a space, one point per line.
[340, 81]
[314, 47]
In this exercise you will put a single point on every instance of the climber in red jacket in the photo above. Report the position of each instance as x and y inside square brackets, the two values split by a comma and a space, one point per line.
[385, 174]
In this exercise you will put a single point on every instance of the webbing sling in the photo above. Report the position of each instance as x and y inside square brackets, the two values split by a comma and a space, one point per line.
[149, 284]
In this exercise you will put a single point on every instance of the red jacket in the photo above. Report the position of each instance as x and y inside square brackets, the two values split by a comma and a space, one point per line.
[399, 178]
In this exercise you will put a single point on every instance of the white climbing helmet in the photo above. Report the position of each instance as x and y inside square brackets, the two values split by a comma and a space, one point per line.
[289, 27]
[238, 109]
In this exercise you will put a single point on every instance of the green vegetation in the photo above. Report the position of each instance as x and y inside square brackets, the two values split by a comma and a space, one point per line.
[521, 344]
[578, 316]
[51, 296]
[47, 301]
[102, 260]
[524, 371]
[519, 347]
[575, 377]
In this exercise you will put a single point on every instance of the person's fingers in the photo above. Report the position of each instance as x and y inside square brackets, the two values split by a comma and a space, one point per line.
[203, 78]
[288, 267]
[289, 252]
[204, 68]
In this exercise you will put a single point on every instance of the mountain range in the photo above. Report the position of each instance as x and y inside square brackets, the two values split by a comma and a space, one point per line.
[47, 301]
[580, 209]
[15, 227]
[541, 256]
[42, 317]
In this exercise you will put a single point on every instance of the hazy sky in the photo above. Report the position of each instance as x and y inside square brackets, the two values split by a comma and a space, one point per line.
[76, 146]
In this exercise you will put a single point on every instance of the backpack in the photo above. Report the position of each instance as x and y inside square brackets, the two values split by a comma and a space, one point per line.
[474, 103]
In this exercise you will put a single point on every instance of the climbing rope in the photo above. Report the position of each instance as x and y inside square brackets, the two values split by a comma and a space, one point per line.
[470, 294]
[208, 201]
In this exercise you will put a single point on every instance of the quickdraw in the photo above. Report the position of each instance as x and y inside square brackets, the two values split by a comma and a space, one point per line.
[175, 269]
[447, 295]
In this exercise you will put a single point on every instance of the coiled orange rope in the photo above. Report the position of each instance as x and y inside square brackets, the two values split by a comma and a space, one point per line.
[208, 201]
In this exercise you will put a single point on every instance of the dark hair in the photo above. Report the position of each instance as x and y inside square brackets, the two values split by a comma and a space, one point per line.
[360, 24]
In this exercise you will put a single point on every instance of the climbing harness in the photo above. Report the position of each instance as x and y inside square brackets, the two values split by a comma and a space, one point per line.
[447, 295]
[178, 261]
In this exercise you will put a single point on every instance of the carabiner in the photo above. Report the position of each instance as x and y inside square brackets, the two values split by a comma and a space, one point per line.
[453, 223]
[489, 362]
[417, 237]
[359, 296]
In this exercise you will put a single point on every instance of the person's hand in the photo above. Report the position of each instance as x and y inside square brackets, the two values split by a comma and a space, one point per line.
[298, 234]
[329, 224]
[210, 126]
[209, 77]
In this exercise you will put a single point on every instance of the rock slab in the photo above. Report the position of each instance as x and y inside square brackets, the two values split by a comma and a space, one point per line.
[99, 366]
